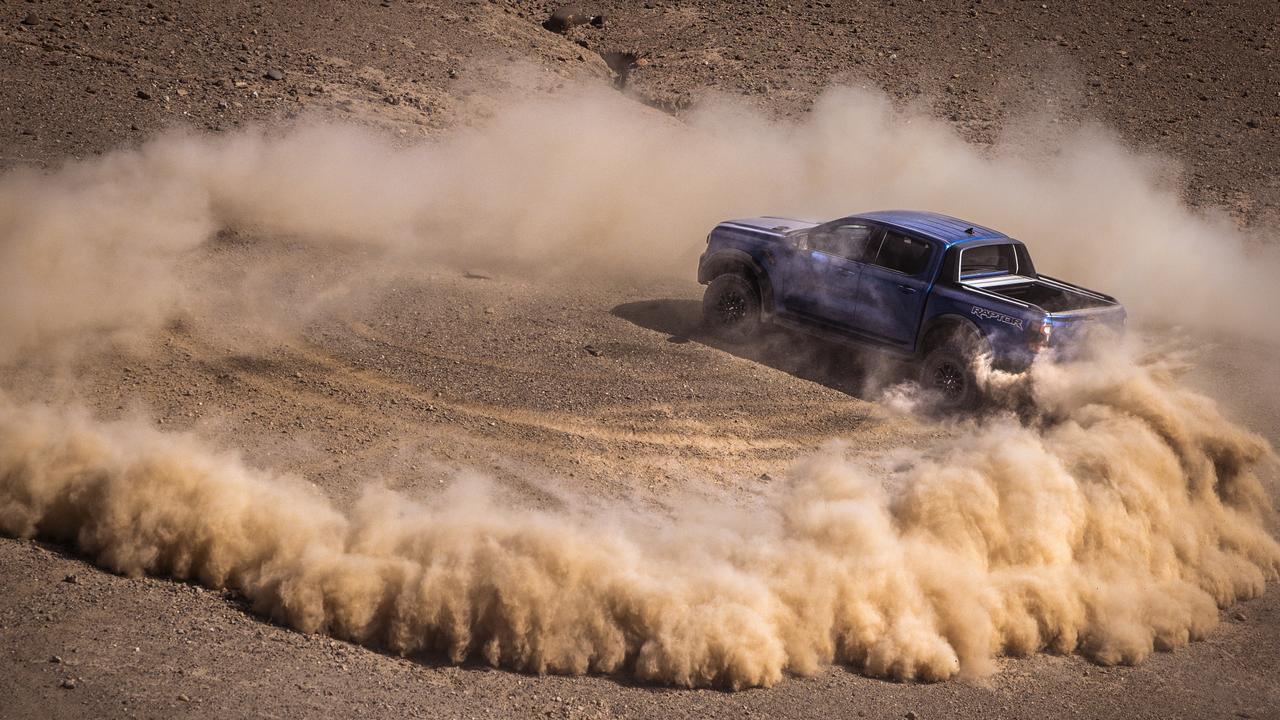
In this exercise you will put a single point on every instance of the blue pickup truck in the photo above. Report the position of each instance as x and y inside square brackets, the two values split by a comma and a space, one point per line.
[920, 285]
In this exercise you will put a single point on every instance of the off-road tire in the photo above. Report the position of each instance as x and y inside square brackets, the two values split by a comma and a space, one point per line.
[947, 376]
[731, 308]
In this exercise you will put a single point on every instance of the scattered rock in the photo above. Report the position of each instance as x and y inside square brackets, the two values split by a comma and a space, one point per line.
[568, 16]
[910, 715]
[476, 275]
[30, 20]
[592, 351]
[69, 683]
[184, 698]
[273, 74]
[144, 95]
[1252, 123]
[489, 311]
[71, 579]
[622, 63]
[55, 660]
[1239, 616]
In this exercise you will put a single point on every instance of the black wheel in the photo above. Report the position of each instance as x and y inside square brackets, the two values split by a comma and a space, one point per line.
[947, 374]
[731, 308]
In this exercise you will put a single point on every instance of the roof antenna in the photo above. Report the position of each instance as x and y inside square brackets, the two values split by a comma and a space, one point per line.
[968, 231]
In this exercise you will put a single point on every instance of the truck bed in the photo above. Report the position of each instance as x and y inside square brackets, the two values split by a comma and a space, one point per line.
[1052, 296]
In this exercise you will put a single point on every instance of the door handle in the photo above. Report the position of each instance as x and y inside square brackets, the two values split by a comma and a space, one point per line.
[906, 290]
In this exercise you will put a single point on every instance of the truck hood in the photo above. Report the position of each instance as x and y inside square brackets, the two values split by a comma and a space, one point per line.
[772, 224]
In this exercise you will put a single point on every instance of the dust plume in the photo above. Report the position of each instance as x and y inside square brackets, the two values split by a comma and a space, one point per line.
[1116, 524]
[585, 181]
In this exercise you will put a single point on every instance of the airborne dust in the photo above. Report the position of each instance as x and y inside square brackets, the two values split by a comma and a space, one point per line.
[1113, 520]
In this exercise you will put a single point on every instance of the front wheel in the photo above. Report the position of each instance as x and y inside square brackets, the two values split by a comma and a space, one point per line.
[947, 374]
[731, 308]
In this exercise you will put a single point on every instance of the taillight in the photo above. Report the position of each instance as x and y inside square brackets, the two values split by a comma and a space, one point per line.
[1041, 338]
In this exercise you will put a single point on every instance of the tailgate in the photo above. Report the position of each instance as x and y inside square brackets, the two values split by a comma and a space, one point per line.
[1075, 327]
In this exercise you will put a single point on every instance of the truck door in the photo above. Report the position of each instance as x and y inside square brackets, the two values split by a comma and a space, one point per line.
[833, 267]
[894, 283]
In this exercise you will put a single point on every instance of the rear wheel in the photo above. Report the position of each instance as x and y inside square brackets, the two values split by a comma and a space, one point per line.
[731, 308]
[947, 374]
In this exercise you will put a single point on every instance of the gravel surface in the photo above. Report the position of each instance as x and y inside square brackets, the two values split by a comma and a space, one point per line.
[605, 388]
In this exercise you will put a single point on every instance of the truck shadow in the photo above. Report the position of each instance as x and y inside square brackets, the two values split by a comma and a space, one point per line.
[862, 374]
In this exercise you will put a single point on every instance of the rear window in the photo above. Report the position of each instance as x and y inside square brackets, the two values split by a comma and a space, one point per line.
[905, 254]
[988, 260]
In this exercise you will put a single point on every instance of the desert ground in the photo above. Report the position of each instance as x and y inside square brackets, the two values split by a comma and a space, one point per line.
[564, 379]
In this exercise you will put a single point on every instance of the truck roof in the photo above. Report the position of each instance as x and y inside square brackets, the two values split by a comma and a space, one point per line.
[943, 228]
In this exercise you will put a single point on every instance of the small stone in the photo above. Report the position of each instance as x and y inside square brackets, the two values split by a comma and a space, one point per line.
[489, 311]
[71, 579]
[55, 660]
[144, 95]
[69, 683]
[1252, 123]
[592, 351]
[476, 275]
[184, 698]
[273, 74]
[568, 16]
[910, 715]
[1239, 616]
[31, 20]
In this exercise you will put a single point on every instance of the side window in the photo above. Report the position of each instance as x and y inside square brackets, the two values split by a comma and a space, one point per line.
[902, 253]
[846, 241]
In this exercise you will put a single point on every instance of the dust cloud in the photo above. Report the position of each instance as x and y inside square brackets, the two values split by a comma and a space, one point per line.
[586, 181]
[1116, 524]
[1114, 521]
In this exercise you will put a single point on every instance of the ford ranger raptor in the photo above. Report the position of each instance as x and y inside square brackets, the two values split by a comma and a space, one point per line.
[927, 287]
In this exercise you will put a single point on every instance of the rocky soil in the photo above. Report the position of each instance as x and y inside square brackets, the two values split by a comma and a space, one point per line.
[607, 388]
